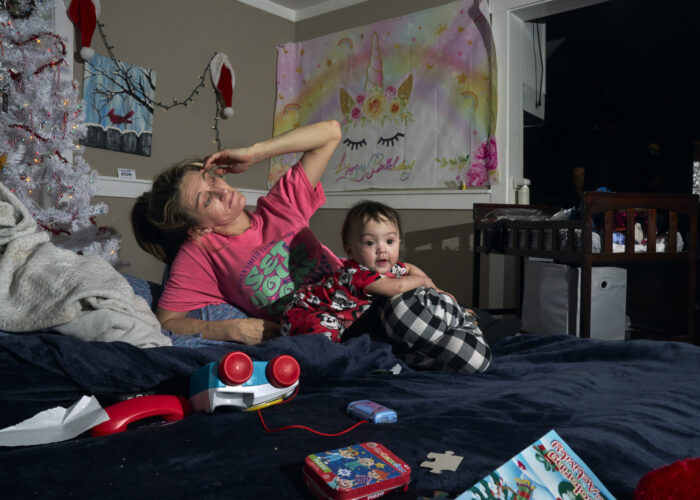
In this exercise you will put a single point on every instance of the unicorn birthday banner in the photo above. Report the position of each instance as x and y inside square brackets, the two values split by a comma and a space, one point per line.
[416, 97]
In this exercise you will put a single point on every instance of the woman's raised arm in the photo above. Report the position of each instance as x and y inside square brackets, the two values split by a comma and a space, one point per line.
[317, 141]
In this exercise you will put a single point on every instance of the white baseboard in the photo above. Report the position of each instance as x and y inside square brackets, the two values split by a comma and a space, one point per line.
[418, 199]
[122, 188]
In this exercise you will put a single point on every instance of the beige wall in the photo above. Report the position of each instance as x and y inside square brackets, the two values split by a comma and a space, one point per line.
[436, 240]
[176, 38]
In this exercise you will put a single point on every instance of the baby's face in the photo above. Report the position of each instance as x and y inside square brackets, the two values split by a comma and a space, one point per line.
[374, 244]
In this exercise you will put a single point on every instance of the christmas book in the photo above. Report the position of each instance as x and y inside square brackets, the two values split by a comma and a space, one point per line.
[547, 469]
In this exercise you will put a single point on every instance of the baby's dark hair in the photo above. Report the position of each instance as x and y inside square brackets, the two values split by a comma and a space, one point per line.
[363, 211]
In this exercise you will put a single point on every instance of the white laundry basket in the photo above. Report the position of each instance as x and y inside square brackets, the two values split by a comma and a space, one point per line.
[551, 304]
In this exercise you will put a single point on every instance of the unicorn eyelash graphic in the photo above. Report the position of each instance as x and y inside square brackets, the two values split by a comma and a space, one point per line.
[374, 124]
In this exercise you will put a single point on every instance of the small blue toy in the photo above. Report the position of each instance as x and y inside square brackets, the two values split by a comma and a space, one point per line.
[238, 381]
[365, 409]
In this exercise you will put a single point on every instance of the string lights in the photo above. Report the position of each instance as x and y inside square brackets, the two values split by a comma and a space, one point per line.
[42, 118]
[185, 102]
[40, 121]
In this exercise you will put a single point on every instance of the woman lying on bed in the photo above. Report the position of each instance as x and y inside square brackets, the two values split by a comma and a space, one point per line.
[220, 254]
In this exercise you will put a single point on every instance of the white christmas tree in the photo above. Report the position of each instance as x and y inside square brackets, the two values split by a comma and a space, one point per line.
[41, 121]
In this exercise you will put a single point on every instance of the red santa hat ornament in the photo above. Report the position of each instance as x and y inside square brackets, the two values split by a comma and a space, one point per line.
[84, 14]
[224, 79]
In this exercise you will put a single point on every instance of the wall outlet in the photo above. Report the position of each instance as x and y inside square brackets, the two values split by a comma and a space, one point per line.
[126, 173]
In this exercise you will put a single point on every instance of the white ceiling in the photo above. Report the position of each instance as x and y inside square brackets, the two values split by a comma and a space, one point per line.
[298, 10]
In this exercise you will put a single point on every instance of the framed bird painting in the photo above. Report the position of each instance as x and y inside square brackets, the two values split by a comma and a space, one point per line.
[118, 105]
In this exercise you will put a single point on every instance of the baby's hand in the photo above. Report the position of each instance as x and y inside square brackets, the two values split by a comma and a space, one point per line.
[428, 283]
[447, 293]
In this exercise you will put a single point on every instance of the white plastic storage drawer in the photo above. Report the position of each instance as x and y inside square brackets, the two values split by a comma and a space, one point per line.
[551, 304]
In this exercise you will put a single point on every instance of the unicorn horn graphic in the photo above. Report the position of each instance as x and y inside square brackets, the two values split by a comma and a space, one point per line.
[375, 75]
[376, 104]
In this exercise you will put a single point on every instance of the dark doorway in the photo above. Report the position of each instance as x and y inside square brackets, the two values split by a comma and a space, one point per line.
[622, 101]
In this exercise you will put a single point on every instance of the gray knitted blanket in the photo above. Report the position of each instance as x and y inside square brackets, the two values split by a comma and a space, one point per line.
[43, 286]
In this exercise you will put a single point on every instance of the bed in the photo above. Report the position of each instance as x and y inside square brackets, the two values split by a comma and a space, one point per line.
[662, 265]
[624, 407]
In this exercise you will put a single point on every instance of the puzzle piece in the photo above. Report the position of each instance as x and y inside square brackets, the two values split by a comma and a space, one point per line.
[442, 461]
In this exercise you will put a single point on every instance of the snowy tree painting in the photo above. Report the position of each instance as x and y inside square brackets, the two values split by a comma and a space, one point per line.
[118, 105]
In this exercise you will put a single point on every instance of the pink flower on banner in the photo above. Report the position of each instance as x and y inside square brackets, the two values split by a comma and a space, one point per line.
[476, 176]
[360, 98]
[355, 113]
[390, 92]
[487, 154]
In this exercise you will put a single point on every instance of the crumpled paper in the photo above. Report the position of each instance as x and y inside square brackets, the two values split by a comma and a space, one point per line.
[55, 424]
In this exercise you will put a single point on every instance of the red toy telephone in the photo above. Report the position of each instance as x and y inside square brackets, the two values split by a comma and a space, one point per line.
[235, 380]
[121, 414]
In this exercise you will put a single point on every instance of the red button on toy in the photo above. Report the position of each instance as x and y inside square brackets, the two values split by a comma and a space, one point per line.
[235, 368]
[282, 371]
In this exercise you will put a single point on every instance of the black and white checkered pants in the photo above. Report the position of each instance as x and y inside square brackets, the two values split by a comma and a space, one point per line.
[432, 331]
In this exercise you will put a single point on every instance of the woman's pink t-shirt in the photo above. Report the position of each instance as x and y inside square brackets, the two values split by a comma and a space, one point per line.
[257, 271]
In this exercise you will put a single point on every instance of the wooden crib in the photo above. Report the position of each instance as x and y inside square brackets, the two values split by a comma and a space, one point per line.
[571, 242]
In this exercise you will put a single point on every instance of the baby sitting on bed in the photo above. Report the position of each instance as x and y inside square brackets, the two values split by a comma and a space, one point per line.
[430, 331]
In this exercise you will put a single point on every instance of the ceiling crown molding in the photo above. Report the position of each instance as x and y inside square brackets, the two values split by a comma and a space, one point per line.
[294, 15]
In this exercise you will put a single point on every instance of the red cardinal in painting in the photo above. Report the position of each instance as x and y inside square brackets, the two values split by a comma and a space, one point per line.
[118, 119]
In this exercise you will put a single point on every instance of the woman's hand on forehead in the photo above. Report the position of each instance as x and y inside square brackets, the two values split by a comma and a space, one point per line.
[232, 161]
[214, 172]
[219, 173]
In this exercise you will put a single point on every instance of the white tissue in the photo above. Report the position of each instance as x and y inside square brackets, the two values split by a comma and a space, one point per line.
[55, 424]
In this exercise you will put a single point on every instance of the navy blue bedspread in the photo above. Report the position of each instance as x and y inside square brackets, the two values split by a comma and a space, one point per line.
[624, 407]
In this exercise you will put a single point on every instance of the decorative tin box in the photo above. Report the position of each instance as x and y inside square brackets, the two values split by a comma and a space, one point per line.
[360, 471]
